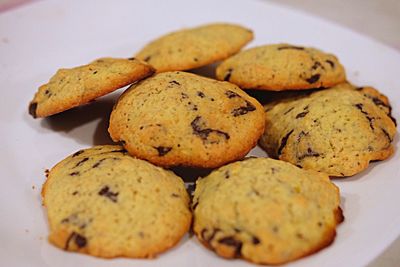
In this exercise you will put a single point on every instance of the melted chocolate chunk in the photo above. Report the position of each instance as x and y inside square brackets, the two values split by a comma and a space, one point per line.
[105, 191]
[316, 65]
[77, 153]
[81, 162]
[119, 151]
[309, 153]
[211, 237]
[231, 94]
[243, 110]
[330, 62]
[314, 78]
[32, 109]
[228, 75]
[302, 114]
[199, 129]
[162, 150]
[201, 94]
[232, 242]
[283, 142]
[291, 47]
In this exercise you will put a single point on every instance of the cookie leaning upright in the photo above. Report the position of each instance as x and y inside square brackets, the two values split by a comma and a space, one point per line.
[265, 211]
[195, 47]
[103, 202]
[69, 88]
[282, 67]
[178, 118]
[337, 131]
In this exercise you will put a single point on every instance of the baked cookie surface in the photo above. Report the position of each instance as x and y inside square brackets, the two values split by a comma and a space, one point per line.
[178, 118]
[265, 211]
[103, 202]
[73, 87]
[281, 67]
[337, 131]
[195, 47]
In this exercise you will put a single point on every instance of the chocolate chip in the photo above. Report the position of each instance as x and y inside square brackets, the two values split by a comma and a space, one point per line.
[316, 65]
[174, 195]
[200, 94]
[231, 94]
[309, 153]
[95, 72]
[80, 240]
[243, 110]
[184, 96]
[255, 240]
[301, 115]
[287, 111]
[74, 193]
[174, 82]
[162, 150]
[330, 62]
[196, 59]
[291, 47]
[283, 142]
[81, 162]
[227, 174]
[46, 172]
[131, 58]
[74, 173]
[77, 153]
[147, 59]
[105, 191]
[119, 151]
[314, 78]
[194, 206]
[387, 135]
[232, 242]
[32, 109]
[359, 106]
[228, 75]
[199, 129]
[98, 163]
[211, 237]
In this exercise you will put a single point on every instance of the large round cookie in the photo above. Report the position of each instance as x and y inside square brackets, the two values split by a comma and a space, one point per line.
[195, 47]
[178, 118]
[281, 67]
[105, 203]
[337, 131]
[69, 88]
[265, 211]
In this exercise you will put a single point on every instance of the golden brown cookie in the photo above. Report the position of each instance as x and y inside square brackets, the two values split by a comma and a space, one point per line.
[70, 88]
[178, 118]
[337, 131]
[103, 202]
[281, 67]
[195, 47]
[265, 211]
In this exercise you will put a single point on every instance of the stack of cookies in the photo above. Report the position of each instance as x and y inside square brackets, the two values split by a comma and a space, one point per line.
[121, 200]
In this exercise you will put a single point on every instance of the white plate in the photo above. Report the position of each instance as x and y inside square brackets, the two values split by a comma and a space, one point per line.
[39, 38]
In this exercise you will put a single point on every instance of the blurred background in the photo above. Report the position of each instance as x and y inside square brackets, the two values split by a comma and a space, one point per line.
[378, 19]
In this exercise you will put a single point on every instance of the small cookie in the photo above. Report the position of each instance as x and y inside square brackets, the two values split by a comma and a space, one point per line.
[265, 211]
[195, 47]
[101, 201]
[281, 67]
[179, 118]
[337, 131]
[70, 88]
